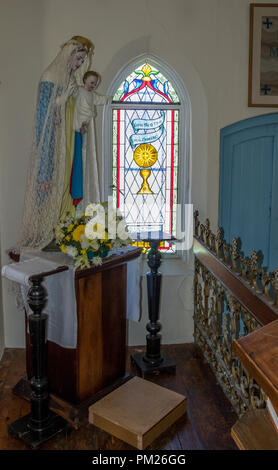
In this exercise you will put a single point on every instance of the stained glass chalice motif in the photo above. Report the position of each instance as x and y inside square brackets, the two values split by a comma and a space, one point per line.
[145, 156]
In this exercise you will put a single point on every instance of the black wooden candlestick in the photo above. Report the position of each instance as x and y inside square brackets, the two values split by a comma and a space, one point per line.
[41, 424]
[153, 356]
[153, 360]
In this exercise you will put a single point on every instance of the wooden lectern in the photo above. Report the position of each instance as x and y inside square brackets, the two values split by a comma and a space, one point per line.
[78, 375]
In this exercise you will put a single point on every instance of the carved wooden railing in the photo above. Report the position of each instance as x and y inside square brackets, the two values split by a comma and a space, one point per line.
[233, 296]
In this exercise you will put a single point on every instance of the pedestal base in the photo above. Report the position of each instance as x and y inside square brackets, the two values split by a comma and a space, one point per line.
[21, 429]
[167, 365]
[75, 414]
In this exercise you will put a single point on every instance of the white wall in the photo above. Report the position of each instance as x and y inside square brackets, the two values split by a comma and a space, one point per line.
[176, 304]
[205, 41]
[21, 64]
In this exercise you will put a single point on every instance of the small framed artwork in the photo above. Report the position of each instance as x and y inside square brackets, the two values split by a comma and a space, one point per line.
[263, 55]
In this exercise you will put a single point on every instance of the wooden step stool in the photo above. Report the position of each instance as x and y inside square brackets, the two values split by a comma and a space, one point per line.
[138, 411]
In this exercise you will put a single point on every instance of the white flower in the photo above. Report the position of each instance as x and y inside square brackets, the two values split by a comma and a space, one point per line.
[90, 231]
[97, 261]
[94, 244]
[121, 230]
[91, 209]
[82, 262]
[117, 243]
[84, 242]
[95, 229]
[72, 251]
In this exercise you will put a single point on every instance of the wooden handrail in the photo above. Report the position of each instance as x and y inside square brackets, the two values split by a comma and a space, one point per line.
[256, 304]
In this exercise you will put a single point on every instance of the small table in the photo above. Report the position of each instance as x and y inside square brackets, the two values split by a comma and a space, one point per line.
[153, 360]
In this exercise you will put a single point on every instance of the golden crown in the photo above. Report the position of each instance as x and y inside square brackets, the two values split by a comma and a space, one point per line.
[86, 43]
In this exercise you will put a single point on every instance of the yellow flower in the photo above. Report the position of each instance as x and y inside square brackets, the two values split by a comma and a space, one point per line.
[83, 252]
[67, 238]
[63, 248]
[106, 237]
[76, 234]
[70, 227]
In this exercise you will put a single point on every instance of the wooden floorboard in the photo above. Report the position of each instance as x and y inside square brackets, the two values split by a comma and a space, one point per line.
[206, 426]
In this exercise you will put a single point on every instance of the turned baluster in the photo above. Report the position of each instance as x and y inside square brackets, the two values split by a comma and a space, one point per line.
[41, 423]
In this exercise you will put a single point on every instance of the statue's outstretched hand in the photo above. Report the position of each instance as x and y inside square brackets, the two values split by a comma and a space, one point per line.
[83, 128]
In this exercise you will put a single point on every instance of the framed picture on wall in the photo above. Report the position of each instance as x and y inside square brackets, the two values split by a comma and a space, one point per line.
[263, 55]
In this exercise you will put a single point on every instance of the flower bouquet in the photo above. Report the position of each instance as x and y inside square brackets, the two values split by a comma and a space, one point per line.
[90, 236]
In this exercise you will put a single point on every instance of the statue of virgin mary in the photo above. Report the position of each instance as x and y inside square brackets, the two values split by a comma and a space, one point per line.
[47, 194]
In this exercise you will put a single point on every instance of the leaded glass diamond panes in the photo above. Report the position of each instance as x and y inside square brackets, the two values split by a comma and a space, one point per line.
[145, 152]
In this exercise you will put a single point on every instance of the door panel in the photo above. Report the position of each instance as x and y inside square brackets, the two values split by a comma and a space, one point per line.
[248, 206]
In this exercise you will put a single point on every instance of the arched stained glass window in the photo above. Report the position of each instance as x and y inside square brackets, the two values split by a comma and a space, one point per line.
[146, 151]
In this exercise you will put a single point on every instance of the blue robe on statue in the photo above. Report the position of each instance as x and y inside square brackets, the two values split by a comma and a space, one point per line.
[77, 170]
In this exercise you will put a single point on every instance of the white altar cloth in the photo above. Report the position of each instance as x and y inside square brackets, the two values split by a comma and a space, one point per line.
[61, 301]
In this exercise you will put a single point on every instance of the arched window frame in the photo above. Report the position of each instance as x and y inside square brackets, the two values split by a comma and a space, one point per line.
[184, 168]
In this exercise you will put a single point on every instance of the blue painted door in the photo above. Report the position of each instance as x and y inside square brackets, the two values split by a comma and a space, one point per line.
[248, 197]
